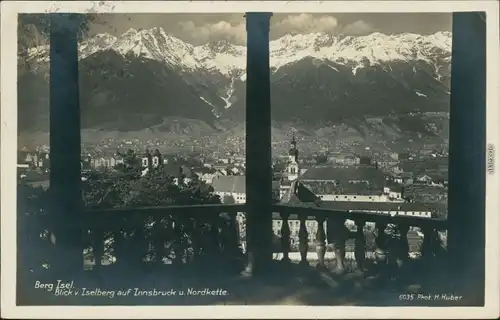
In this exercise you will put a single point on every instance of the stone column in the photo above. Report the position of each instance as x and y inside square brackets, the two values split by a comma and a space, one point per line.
[258, 144]
[467, 175]
[65, 175]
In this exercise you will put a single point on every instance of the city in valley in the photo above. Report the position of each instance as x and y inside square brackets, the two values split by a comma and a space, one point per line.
[331, 177]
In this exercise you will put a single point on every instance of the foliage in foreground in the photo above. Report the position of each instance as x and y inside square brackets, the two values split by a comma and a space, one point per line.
[123, 190]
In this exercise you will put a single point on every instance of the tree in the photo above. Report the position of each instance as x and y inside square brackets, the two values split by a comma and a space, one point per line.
[122, 190]
[131, 163]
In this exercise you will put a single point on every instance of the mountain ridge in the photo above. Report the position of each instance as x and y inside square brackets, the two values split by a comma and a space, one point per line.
[133, 81]
[151, 43]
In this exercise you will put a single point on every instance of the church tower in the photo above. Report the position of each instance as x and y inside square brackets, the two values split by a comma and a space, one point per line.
[293, 153]
[292, 168]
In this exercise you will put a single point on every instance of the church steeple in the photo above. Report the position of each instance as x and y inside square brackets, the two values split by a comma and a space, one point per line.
[292, 168]
[293, 152]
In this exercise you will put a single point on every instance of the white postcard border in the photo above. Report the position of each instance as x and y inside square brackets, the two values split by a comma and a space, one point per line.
[9, 10]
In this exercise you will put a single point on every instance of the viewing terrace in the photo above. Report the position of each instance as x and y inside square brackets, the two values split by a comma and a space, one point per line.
[198, 246]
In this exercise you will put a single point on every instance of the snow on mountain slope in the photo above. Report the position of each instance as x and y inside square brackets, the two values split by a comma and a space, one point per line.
[216, 70]
[221, 56]
[229, 59]
[100, 42]
[372, 49]
[157, 45]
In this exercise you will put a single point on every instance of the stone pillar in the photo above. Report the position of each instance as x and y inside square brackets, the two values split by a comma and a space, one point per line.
[258, 144]
[65, 172]
[467, 176]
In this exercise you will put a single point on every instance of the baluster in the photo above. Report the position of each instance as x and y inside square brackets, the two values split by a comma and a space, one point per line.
[141, 243]
[426, 248]
[177, 240]
[98, 247]
[137, 242]
[208, 238]
[303, 240]
[436, 243]
[360, 245]
[321, 241]
[404, 249]
[150, 240]
[338, 238]
[169, 237]
[127, 241]
[241, 225]
[381, 242]
[214, 235]
[126, 233]
[231, 242]
[186, 239]
[196, 239]
[159, 241]
[27, 238]
[285, 237]
[119, 243]
[381, 247]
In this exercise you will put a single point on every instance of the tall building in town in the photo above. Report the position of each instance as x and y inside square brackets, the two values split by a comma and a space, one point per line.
[292, 168]
[150, 161]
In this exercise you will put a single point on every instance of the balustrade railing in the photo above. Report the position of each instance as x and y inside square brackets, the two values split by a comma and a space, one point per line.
[386, 244]
[211, 235]
[187, 236]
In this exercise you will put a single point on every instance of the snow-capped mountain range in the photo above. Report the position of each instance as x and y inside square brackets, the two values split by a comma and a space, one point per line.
[226, 58]
[316, 76]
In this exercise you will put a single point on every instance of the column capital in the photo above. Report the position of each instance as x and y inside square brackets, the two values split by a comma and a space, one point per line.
[262, 18]
[70, 22]
[261, 15]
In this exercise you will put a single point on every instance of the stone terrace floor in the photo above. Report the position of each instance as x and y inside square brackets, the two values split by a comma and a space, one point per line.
[291, 284]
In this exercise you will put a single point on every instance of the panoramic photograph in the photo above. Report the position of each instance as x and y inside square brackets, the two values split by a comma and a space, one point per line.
[235, 159]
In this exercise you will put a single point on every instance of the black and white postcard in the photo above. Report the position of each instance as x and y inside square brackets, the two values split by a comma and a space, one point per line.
[252, 159]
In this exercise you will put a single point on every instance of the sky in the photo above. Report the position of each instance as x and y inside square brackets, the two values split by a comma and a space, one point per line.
[200, 28]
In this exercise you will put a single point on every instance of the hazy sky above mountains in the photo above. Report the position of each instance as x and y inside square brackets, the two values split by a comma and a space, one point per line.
[201, 28]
